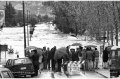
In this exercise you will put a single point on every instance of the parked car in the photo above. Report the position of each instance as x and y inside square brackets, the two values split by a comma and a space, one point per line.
[114, 61]
[20, 67]
[5, 73]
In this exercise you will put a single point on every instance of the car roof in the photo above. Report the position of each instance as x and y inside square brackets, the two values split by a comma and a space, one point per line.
[20, 58]
[115, 47]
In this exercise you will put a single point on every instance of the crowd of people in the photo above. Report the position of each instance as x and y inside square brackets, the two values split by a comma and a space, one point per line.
[89, 55]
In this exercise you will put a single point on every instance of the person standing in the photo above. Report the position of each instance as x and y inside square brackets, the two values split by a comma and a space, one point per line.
[96, 58]
[31, 31]
[69, 53]
[75, 56]
[44, 58]
[89, 54]
[79, 51]
[35, 61]
[59, 61]
[66, 61]
[52, 53]
[93, 58]
[48, 58]
[17, 56]
[84, 59]
[40, 63]
[105, 58]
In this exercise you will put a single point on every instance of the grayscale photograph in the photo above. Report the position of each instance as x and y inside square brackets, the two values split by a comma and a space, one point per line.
[59, 39]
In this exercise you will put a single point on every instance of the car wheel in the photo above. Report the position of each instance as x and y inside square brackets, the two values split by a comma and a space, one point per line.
[24, 76]
[16, 77]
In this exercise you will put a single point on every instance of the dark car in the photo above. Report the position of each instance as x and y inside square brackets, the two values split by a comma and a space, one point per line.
[114, 61]
[20, 67]
[5, 73]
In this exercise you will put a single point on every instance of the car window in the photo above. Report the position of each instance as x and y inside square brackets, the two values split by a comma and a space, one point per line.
[10, 62]
[118, 53]
[7, 63]
[22, 61]
[113, 54]
[6, 74]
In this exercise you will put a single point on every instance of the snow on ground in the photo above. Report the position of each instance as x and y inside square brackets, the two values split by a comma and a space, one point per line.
[44, 74]
[44, 35]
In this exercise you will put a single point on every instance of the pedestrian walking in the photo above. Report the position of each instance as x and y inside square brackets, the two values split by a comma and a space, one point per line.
[105, 58]
[35, 61]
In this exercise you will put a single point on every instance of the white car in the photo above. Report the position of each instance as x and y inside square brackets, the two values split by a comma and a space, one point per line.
[5, 72]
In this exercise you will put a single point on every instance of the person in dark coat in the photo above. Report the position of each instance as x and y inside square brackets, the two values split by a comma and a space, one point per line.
[66, 60]
[45, 57]
[105, 57]
[75, 55]
[51, 55]
[59, 61]
[89, 54]
[48, 59]
[79, 52]
[93, 59]
[35, 61]
[67, 49]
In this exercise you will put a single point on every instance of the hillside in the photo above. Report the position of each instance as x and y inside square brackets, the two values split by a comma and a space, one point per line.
[34, 7]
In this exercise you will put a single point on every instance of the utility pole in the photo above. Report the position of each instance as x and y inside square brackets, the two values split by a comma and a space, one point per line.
[116, 26]
[24, 27]
[27, 27]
